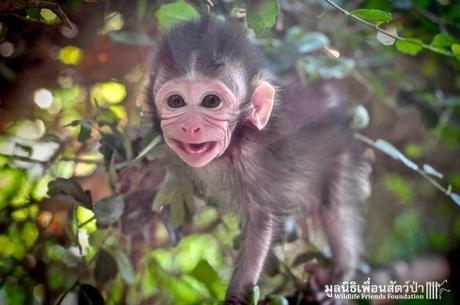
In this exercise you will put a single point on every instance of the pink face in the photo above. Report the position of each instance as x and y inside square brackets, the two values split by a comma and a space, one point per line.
[195, 117]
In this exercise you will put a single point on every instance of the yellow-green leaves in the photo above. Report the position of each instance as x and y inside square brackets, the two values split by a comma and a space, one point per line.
[170, 14]
[49, 16]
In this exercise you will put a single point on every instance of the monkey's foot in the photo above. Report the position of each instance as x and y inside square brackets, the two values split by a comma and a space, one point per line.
[320, 277]
[234, 301]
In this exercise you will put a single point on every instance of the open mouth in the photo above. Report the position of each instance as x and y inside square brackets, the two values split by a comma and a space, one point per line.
[195, 148]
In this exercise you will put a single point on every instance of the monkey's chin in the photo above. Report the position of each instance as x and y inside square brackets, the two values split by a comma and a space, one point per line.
[195, 154]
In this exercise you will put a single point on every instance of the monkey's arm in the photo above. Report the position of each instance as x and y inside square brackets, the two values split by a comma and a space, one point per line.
[257, 235]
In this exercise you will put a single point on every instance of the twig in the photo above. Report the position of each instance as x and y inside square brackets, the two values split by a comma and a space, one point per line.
[372, 25]
[57, 10]
[23, 159]
[376, 27]
[81, 225]
[19, 5]
[46, 162]
[81, 160]
[66, 292]
[435, 183]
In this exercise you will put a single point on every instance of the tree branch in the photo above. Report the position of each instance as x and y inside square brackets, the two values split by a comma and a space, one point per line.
[46, 162]
[376, 27]
[19, 5]
[435, 183]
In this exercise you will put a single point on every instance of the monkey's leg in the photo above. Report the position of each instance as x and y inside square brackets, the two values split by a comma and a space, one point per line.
[257, 234]
[346, 189]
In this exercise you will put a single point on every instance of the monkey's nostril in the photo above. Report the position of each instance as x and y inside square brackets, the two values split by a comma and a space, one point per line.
[192, 130]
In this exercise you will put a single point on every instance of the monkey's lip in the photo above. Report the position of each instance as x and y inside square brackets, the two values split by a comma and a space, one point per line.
[195, 148]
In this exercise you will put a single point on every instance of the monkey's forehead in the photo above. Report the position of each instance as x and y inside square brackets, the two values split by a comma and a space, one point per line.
[192, 86]
[232, 77]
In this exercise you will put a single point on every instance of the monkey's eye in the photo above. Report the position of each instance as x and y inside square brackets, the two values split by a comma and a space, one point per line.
[211, 101]
[175, 101]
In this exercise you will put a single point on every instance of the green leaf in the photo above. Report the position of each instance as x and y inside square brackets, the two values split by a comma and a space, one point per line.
[205, 273]
[125, 267]
[109, 210]
[131, 38]
[278, 300]
[170, 14]
[167, 191]
[49, 16]
[261, 15]
[85, 129]
[112, 143]
[255, 295]
[392, 151]
[85, 132]
[443, 40]
[431, 171]
[312, 42]
[71, 188]
[305, 257]
[409, 46]
[456, 50]
[88, 295]
[178, 214]
[106, 267]
[376, 16]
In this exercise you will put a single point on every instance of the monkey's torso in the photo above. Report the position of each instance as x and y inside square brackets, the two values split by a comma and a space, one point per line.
[286, 169]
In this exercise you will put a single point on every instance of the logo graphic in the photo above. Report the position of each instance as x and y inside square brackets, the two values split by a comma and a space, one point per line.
[351, 290]
[434, 290]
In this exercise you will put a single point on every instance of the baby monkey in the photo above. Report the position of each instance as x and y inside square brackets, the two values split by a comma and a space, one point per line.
[264, 150]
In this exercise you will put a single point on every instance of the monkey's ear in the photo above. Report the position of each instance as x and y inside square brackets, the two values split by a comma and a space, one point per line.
[262, 101]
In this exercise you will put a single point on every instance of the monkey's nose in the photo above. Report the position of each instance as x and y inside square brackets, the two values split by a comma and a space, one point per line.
[191, 130]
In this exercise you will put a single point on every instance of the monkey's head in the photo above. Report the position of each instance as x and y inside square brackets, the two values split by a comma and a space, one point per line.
[205, 80]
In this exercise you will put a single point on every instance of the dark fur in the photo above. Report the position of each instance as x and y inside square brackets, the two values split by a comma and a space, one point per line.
[304, 160]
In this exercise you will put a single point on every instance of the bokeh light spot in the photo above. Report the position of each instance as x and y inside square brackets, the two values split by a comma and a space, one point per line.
[6, 49]
[43, 98]
[102, 57]
[110, 92]
[70, 55]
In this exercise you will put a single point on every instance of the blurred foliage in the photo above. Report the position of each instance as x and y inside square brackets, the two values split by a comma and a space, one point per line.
[89, 212]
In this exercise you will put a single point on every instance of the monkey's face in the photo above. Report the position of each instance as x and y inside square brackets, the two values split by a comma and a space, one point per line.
[195, 118]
